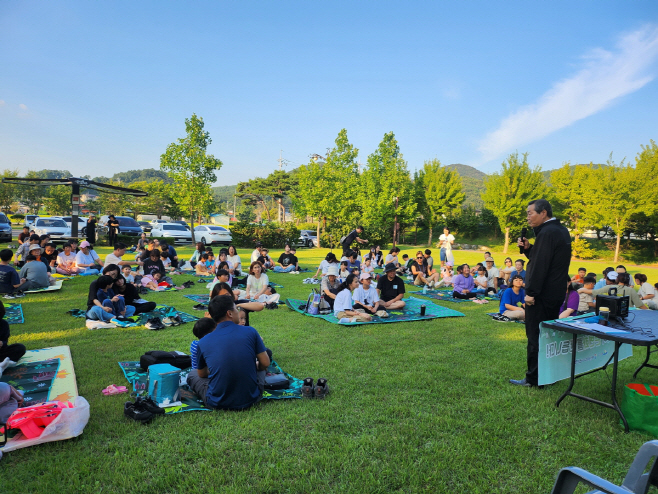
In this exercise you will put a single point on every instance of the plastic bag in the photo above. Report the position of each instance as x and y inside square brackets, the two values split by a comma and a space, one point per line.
[640, 407]
[70, 423]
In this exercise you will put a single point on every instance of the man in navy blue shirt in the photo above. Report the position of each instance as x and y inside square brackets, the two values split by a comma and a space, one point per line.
[232, 361]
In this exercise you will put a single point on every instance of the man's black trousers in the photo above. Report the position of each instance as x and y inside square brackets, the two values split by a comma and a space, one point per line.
[534, 314]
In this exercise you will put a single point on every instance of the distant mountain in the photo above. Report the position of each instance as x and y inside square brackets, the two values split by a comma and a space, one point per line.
[472, 184]
[145, 175]
[225, 193]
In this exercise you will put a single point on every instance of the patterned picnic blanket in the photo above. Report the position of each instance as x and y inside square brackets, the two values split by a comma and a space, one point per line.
[14, 314]
[411, 312]
[205, 299]
[33, 378]
[162, 311]
[191, 401]
[513, 320]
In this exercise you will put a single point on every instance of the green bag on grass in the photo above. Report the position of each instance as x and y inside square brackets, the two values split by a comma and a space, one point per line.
[640, 407]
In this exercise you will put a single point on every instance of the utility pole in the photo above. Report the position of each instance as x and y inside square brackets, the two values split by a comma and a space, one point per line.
[395, 225]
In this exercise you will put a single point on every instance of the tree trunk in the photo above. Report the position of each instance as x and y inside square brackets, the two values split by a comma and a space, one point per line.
[429, 240]
[617, 244]
[192, 226]
[507, 228]
[318, 233]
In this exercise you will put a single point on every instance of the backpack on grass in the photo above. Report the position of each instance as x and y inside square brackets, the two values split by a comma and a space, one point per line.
[177, 359]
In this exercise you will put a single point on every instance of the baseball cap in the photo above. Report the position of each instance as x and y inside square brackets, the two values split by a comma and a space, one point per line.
[365, 276]
[85, 244]
[612, 275]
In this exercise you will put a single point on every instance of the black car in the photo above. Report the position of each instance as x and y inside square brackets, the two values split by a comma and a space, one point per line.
[5, 228]
[145, 226]
[127, 226]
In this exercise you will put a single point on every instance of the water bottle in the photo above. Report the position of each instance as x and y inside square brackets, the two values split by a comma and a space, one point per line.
[422, 310]
[424, 289]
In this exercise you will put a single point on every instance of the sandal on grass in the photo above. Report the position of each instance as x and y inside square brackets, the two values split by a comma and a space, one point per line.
[114, 390]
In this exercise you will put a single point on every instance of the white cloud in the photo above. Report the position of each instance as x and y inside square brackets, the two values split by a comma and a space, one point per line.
[2, 102]
[605, 77]
[22, 107]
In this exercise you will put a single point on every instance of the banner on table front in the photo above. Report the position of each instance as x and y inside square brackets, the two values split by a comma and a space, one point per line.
[555, 354]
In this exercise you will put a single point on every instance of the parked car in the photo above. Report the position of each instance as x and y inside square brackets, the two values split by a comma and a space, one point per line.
[127, 226]
[181, 223]
[29, 220]
[145, 226]
[55, 227]
[213, 234]
[5, 228]
[82, 224]
[172, 230]
[307, 238]
[157, 222]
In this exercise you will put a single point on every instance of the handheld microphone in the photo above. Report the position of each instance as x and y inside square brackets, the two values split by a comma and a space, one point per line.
[524, 232]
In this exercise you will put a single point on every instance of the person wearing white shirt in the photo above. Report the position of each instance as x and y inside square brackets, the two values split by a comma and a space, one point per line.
[258, 285]
[329, 261]
[492, 275]
[87, 261]
[343, 308]
[647, 291]
[117, 254]
[66, 261]
[445, 243]
[256, 253]
[234, 259]
[365, 296]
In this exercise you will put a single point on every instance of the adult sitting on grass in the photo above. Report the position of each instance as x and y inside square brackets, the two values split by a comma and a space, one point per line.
[95, 309]
[391, 288]
[493, 275]
[9, 280]
[232, 361]
[422, 273]
[623, 289]
[234, 259]
[35, 273]
[258, 285]
[87, 260]
[106, 296]
[603, 281]
[463, 284]
[66, 263]
[647, 291]
[243, 304]
[512, 302]
[198, 253]
[287, 262]
[50, 255]
[329, 260]
[330, 285]
[116, 256]
[506, 272]
[24, 249]
[131, 296]
[343, 308]
[518, 269]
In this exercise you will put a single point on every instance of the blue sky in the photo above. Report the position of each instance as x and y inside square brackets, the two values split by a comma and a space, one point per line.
[102, 87]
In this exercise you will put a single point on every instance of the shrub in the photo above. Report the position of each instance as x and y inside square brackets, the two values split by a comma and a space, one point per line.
[17, 218]
[580, 249]
[271, 235]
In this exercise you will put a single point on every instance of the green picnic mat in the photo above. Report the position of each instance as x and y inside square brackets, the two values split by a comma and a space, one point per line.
[34, 379]
[14, 314]
[167, 289]
[191, 401]
[162, 311]
[410, 312]
[446, 296]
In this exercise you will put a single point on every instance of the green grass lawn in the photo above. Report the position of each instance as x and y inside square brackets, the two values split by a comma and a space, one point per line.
[414, 407]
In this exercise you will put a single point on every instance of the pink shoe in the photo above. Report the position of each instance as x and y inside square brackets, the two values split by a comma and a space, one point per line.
[114, 390]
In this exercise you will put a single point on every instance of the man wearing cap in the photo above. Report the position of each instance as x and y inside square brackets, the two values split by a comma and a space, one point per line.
[620, 282]
[87, 260]
[547, 269]
[365, 296]
[603, 281]
[329, 286]
[390, 288]
[350, 238]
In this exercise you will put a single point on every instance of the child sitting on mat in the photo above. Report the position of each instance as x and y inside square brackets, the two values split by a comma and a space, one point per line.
[128, 274]
[344, 272]
[201, 267]
[201, 328]
[446, 275]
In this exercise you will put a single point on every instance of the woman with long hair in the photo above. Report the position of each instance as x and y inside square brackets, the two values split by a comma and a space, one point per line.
[343, 307]
[647, 291]
[196, 257]
[258, 285]
[571, 300]
[234, 259]
[324, 265]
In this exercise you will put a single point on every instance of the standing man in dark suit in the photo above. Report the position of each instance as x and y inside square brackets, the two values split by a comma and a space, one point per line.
[91, 229]
[545, 274]
[113, 229]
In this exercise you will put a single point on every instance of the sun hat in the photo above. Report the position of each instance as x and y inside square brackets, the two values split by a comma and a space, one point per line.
[489, 259]
[34, 247]
[85, 244]
[332, 271]
[389, 267]
[365, 276]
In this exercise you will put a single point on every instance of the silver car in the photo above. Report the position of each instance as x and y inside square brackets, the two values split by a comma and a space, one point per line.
[55, 227]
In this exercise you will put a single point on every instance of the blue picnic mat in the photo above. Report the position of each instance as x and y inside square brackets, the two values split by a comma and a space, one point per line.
[410, 312]
[446, 296]
[191, 401]
[14, 314]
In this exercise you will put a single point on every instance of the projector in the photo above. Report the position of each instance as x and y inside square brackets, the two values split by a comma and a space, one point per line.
[618, 305]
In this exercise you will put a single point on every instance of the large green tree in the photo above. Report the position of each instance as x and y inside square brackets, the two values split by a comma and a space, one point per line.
[262, 191]
[508, 192]
[191, 169]
[387, 192]
[571, 197]
[8, 193]
[58, 201]
[438, 192]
